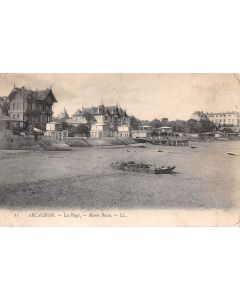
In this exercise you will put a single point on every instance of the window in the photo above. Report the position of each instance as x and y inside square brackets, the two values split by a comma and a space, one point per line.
[13, 106]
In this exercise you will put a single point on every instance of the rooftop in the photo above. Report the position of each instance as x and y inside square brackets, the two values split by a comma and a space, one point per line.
[25, 93]
[223, 113]
[101, 109]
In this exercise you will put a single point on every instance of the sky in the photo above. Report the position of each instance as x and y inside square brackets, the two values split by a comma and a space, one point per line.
[146, 96]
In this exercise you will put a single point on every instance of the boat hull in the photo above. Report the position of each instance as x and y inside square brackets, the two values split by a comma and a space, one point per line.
[142, 169]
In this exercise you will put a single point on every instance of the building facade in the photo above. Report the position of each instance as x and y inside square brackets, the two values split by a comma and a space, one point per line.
[31, 108]
[77, 118]
[229, 119]
[107, 121]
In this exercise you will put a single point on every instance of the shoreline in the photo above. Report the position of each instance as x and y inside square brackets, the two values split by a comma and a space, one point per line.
[52, 145]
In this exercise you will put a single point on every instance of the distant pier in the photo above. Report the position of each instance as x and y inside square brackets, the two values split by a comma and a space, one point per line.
[168, 141]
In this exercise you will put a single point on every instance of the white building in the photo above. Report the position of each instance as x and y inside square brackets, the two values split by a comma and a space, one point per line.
[123, 131]
[54, 130]
[111, 121]
[77, 118]
[53, 126]
[139, 134]
[231, 119]
[166, 129]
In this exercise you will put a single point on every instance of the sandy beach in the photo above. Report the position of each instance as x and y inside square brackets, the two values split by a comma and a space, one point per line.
[207, 177]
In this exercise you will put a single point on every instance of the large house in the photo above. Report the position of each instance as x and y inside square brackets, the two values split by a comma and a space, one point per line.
[229, 119]
[31, 108]
[78, 117]
[110, 121]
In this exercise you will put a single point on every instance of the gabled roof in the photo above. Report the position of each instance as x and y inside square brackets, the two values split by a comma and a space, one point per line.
[91, 110]
[39, 95]
[77, 113]
[102, 110]
[63, 115]
[112, 109]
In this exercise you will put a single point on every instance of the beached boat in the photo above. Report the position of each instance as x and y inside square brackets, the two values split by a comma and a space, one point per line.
[132, 166]
[164, 170]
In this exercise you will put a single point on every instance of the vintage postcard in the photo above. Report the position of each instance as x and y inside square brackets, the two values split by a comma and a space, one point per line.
[119, 149]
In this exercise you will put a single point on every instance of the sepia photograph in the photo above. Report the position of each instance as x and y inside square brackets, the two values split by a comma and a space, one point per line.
[119, 149]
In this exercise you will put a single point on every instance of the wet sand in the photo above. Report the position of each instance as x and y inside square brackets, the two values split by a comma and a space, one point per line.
[207, 177]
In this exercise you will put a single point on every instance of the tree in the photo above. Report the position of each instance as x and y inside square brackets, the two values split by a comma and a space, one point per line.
[81, 129]
[199, 115]
[192, 126]
[173, 124]
[164, 121]
[228, 130]
[145, 123]
[134, 123]
[89, 118]
[207, 125]
[156, 123]
[195, 126]
[179, 125]
[5, 105]
[66, 126]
